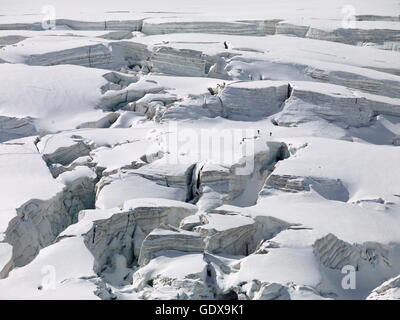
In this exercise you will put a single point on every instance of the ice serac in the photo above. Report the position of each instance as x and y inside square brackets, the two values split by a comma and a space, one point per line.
[64, 155]
[14, 128]
[335, 253]
[161, 279]
[128, 53]
[168, 238]
[239, 182]
[117, 35]
[374, 82]
[7, 40]
[252, 100]
[305, 106]
[355, 77]
[104, 122]
[181, 62]
[80, 163]
[237, 235]
[88, 56]
[291, 29]
[39, 222]
[117, 81]
[219, 233]
[331, 189]
[260, 290]
[122, 231]
[310, 102]
[228, 234]
[153, 105]
[389, 290]
[257, 290]
[21, 26]
[124, 93]
[169, 174]
[355, 36]
[352, 35]
[132, 25]
[253, 28]
[115, 189]
[95, 53]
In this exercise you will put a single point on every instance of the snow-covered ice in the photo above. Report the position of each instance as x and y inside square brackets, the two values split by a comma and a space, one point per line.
[200, 150]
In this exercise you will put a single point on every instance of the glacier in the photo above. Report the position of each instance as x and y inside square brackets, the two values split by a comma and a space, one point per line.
[200, 150]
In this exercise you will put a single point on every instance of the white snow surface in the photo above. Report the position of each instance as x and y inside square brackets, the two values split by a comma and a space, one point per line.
[129, 114]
